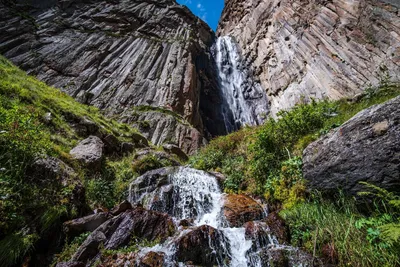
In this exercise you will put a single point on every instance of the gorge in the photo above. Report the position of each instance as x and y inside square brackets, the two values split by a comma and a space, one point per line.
[164, 143]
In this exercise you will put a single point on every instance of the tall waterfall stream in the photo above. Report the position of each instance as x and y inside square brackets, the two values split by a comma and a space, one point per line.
[244, 100]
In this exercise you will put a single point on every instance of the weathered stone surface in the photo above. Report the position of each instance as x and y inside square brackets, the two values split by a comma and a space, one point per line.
[259, 233]
[120, 54]
[152, 259]
[159, 155]
[119, 230]
[44, 170]
[89, 152]
[174, 149]
[122, 207]
[160, 126]
[88, 223]
[201, 246]
[365, 148]
[85, 127]
[239, 209]
[318, 49]
[286, 256]
[278, 227]
[111, 144]
[90, 248]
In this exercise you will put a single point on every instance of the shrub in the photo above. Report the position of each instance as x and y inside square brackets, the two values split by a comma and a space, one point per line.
[340, 234]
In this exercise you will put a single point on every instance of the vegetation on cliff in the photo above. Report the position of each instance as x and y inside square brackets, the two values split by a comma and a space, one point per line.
[267, 161]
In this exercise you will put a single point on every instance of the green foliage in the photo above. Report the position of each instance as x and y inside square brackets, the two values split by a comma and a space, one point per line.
[70, 248]
[254, 159]
[149, 162]
[352, 239]
[14, 246]
[287, 185]
[29, 208]
[135, 244]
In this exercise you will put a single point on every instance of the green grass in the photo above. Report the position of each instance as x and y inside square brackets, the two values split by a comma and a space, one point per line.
[267, 161]
[340, 234]
[32, 208]
[254, 157]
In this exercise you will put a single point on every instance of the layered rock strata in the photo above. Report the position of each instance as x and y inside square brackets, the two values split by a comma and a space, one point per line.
[315, 49]
[119, 54]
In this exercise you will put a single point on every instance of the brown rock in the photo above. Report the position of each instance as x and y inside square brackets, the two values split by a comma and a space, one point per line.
[88, 223]
[278, 227]
[239, 209]
[152, 259]
[122, 207]
[257, 232]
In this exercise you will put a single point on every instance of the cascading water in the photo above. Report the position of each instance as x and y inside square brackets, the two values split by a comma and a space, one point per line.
[190, 193]
[244, 101]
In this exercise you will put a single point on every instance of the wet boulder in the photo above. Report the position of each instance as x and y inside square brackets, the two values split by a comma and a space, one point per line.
[89, 152]
[239, 209]
[141, 223]
[204, 245]
[364, 149]
[152, 259]
[85, 224]
[282, 256]
[259, 233]
[149, 182]
[278, 227]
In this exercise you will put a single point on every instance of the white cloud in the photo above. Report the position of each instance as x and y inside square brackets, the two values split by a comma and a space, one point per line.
[202, 11]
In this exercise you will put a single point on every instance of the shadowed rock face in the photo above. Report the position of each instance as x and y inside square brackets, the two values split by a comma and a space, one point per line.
[119, 54]
[315, 48]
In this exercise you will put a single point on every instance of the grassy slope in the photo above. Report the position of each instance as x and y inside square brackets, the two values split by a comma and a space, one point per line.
[266, 161]
[28, 209]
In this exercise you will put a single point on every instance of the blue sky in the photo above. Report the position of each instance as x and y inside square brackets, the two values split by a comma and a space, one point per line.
[207, 10]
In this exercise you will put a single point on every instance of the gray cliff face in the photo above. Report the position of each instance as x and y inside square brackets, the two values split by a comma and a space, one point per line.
[318, 49]
[364, 149]
[120, 54]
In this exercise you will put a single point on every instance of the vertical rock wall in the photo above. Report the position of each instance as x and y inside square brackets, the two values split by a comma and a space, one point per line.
[315, 48]
[120, 54]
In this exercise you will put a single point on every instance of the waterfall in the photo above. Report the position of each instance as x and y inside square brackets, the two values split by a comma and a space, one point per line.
[195, 194]
[244, 100]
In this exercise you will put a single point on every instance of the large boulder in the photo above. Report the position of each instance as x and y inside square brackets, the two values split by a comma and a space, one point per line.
[364, 149]
[89, 152]
[204, 245]
[239, 209]
[85, 224]
[119, 231]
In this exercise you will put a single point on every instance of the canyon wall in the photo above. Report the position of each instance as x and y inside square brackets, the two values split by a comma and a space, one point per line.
[118, 55]
[317, 48]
